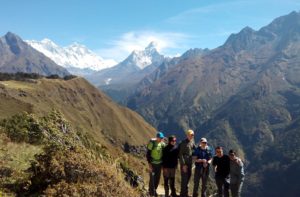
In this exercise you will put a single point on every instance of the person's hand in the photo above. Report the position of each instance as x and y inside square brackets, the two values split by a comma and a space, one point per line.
[205, 163]
[150, 169]
[238, 161]
[165, 170]
[184, 168]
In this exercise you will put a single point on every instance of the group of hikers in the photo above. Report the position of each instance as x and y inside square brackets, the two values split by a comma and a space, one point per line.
[229, 169]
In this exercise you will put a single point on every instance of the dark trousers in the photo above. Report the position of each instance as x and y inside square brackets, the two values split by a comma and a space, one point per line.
[236, 189]
[185, 178]
[223, 186]
[169, 179]
[154, 179]
[200, 173]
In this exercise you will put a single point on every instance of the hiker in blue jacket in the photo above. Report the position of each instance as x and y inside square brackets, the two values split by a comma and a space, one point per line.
[203, 157]
[236, 174]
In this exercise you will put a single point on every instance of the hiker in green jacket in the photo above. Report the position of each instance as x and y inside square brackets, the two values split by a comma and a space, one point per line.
[186, 148]
[154, 158]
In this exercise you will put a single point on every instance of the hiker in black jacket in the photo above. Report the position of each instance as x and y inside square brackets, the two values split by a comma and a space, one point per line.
[221, 162]
[169, 163]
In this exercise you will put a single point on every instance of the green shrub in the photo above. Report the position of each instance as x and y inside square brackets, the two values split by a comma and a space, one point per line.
[71, 163]
[23, 128]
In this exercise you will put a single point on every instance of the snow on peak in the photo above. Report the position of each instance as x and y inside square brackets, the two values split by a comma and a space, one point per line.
[107, 81]
[47, 41]
[74, 55]
[152, 46]
[145, 57]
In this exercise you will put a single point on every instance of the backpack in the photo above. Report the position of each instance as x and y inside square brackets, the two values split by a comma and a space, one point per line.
[148, 154]
[152, 143]
[153, 146]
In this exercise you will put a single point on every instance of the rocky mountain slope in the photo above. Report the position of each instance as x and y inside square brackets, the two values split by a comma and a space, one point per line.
[243, 94]
[17, 56]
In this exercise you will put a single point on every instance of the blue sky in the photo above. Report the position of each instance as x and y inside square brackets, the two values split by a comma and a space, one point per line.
[113, 28]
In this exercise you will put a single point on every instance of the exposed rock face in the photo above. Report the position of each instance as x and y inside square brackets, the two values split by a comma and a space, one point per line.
[17, 56]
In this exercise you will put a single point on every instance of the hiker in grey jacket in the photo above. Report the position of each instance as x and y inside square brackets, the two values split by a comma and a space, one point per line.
[236, 174]
[186, 148]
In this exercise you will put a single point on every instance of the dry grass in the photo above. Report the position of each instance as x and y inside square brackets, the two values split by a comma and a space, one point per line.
[82, 104]
[17, 156]
[17, 85]
[90, 112]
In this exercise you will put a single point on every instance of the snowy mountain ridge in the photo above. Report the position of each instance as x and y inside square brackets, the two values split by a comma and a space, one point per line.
[144, 58]
[74, 55]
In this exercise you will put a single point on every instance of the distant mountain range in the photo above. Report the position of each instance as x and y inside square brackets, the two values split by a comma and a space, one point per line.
[121, 79]
[135, 62]
[117, 80]
[17, 56]
[75, 57]
[244, 94]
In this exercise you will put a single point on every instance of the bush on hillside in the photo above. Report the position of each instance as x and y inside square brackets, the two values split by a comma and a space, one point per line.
[23, 127]
[20, 76]
[68, 77]
[68, 165]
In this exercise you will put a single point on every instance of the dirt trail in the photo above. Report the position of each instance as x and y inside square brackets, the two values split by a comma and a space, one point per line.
[160, 191]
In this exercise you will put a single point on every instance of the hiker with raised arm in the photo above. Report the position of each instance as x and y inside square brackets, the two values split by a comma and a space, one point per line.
[169, 163]
[221, 164]
[236, 174]
[202, 157]
[154, 158]
[186, 148]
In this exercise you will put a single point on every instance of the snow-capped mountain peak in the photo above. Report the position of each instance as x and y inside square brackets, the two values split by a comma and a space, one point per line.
[151, 47]
[144, 57]
[74, 55]
[79, 49]
[47, 41]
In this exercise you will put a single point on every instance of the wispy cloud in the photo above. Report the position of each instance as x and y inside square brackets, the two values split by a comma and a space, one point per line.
[121, 47]
[190, 15]
[229, 7]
